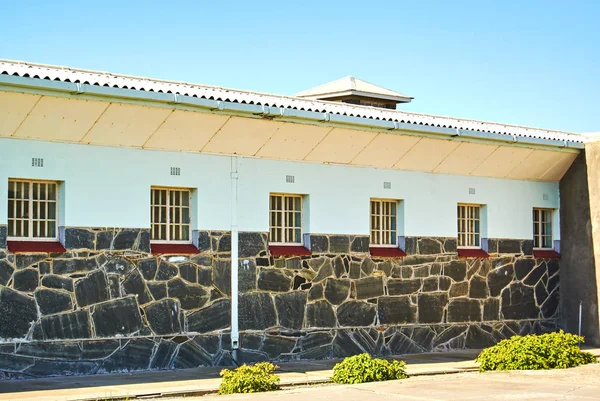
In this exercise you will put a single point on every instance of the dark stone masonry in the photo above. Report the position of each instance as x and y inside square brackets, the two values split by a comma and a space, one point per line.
[109, 305]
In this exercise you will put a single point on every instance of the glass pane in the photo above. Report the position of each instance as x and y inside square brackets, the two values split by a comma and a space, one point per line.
[51, 191]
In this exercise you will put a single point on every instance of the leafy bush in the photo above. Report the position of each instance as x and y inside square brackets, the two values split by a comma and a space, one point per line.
[534, 352]
[362, 369]
[249, 379]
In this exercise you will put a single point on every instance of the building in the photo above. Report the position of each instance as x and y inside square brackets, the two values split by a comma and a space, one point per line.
[351, 226]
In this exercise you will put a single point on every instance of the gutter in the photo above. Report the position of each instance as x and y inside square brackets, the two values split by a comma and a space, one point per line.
[35, 85]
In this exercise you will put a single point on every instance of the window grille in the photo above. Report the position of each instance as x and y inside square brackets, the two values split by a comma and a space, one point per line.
[32, 209]
[542, 228]
[469, 226]
[170, 215]
[384, 222]
[285, 219]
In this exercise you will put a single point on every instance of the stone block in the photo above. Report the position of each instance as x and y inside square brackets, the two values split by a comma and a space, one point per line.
[367, 267]
[190, 296]
[400, 344]
[450, 245]
[163, 355]
[344, 345]
[339, 244]
[477, 338]
[456, 270]
[326, 270]
[290, 309]
[356, 314]
[462, 310]
[338, 267]
[535, 275]
[158, 290]
[274, 346]
[17, 312]
[120, 317]
[491, 309]
[523, 267]
[188, 272]
[499, 278]
[98, 349]
[316, 339]
[527, 247]
[410, 245]
[79, 238]
[203, 240]
[164, 317]
[370, 287]
[58, 282]
[430, 284]
[3, 236]
[478, 288]
[92, 289]
[509, 246]
[134, 356]
[205, 277]
[396, 310]
[337, 290]
[319, 243]
[166, 271]
[114, 286]
[360, 244]
[403, 287]
[191, 355]
[6, 271]
[74, 265]
[432, 306]
[222, 275]
[216, 316]
[134, 284]
[273, 280]
[26, 280]
[148, 268]
[23, 260]
[53, 301]
[429, 246]
[315, 292]
[224, 243]
[51, 350]
[518, 302]
[251, 244]
[459, 289]
[320, 314]
[256, 311]
[64, 326]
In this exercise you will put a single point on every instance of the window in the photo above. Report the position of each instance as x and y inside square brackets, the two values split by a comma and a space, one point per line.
[469, 226]
[285, 219]
[542, 228]
[170, 215]
[32, 210]
[384, 220]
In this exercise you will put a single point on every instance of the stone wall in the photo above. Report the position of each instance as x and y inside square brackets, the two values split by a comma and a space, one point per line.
[108, 304]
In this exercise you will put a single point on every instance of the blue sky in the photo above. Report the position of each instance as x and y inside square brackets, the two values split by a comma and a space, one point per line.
[532, 62]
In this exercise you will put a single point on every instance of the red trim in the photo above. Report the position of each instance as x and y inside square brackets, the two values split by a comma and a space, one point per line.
[542, 254]
[35, 246]
[180, 249]
[472, 253]
[288, 250]
[383, 252]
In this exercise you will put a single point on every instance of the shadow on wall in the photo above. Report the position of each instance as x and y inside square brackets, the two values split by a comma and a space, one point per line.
[578, 281]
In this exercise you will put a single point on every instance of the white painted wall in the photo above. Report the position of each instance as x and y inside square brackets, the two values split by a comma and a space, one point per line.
[110, 187]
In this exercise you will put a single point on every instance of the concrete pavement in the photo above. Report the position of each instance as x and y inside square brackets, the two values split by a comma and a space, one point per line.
[201, 381]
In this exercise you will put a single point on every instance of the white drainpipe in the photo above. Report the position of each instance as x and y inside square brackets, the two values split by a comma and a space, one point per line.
[235, 333]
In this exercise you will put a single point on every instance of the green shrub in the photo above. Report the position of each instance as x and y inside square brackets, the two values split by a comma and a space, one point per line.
[362, 369]
[534, 352]
[249, 379]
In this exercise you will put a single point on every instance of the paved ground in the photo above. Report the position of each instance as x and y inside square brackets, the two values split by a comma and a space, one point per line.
[577, 384]
[201, 381]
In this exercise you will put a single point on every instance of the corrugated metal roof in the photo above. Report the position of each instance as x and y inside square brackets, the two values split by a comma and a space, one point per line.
[73, 75]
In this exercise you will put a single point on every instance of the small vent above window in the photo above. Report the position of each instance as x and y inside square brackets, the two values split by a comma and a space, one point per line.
[289, 179]
[37, 162]
[545, 196]
[471, 191]
[387, 185]
[175, 171]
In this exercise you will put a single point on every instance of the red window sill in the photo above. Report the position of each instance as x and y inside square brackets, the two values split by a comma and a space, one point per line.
[472, 253]
[288, 250]
[384, 252]
[546, 254]
[179, 249]
[36, 246]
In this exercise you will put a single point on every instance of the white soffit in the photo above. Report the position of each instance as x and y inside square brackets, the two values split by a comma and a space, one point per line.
[14, 107]
[293, 141]
[340, 146]
[60, 119]
[242, 136]
[125, 125]
[385, 150]
[186, 131]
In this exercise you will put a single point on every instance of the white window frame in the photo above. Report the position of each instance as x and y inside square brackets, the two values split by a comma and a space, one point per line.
[168, 223]
[466, 219]
[540, 223]
[30, 237]
[283, 211]
[381, 230]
